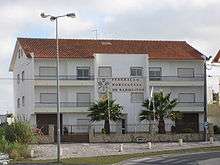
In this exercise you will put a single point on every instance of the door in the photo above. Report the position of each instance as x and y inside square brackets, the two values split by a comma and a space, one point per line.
[188, 123]
[44, 120]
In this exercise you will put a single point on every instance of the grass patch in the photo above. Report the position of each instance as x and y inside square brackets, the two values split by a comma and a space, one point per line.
[111, 159]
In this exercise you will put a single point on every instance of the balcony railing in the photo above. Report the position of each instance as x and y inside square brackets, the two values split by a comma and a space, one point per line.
[176, 78]
[63, 77]
[190, 104]
[62, 104]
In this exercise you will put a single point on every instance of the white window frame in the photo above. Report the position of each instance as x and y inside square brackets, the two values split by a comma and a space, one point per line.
[135, 68]
[22, 76]
[101, 67]
[182, 76]
[45, 101]
[193, 101]
[18, 78]
[83, 68]
[155, 77]
[23, 101]
[133, 101]
[82, 104]
[18, 103]
[47, 67]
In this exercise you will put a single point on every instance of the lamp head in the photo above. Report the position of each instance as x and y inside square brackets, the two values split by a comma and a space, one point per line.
[72, 15]
[52, 18]
[43, 15]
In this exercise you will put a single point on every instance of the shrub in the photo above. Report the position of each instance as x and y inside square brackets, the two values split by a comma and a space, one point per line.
[17, 151]
[20, 132]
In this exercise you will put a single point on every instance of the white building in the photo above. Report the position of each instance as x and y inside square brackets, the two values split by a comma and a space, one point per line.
[131, 68]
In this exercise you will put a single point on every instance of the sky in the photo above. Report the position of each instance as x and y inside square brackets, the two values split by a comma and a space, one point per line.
[195, 21]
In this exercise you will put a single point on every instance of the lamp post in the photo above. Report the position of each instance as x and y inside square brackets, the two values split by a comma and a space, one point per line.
[205, 99]
[55, 18]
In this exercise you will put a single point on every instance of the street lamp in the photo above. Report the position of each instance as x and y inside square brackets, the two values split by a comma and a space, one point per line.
[55, 18]
[205, 98]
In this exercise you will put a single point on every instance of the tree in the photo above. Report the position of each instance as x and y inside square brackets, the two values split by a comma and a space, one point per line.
[100, 111]
[162, 107]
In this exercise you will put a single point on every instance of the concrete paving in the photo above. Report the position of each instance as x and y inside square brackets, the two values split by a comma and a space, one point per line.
[100, 149]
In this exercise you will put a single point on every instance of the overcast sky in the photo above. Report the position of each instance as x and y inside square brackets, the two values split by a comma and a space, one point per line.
[195, 21]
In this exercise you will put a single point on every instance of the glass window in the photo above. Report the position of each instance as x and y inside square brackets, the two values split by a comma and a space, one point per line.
[18, 103]
[83, 73]
[18, 78]
[105, 71]
[22, 76]
[48, 97]
[185, 72]
[136, 71]
[83, 99]
[23, 101]
[137, 97]
[47, 71]
[155, 73]
[186, 97]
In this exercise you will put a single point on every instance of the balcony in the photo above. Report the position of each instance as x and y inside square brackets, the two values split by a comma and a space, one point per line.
[190, 107]
[63, 77]
[50, 107]
[65, 80]
[196, 80]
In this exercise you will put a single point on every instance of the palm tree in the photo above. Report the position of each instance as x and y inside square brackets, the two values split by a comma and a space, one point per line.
[103, 109]
[160, 107]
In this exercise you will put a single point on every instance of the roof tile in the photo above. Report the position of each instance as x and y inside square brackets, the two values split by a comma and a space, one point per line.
[86, 48]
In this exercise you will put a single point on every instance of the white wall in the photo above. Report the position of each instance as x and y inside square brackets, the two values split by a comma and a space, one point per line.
[67, 94]
[67, 66]
[169, 68]
[121, 64]
[24, 88]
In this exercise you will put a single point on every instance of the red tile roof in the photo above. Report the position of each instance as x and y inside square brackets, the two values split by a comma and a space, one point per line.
[85, 48]
[217, 58]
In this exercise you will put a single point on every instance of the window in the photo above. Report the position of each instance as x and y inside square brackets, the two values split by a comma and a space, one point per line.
[47, 71]
[48, 97]
[136, 71]
[185, 72]
[18, 78]
[19, 53]
[105, 71]
[22, 100]
[83, 99]
[82, 125]
[155, 73]
[22, 76]
[83, 73]
[186, 97]
[18, 103]
[137, 97]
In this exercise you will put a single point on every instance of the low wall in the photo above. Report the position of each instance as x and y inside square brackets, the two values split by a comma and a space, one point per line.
[144, 137]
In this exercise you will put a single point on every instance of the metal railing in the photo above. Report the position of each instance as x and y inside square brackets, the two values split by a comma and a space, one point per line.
[63, 104]
[190, 104]
[63, 77]
[176, 78]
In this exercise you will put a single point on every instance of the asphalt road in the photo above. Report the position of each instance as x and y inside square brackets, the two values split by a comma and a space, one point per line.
[209, 158]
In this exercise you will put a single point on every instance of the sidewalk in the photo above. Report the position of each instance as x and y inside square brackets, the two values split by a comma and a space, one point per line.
[48, 151]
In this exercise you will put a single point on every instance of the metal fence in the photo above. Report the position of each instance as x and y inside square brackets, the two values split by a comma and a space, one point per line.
[176, 78]
[63, 104]
[63, 77]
